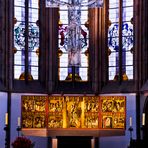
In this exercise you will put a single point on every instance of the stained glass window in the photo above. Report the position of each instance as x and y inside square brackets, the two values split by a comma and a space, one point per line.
[120, 56]
[73, 65]
[26, 39]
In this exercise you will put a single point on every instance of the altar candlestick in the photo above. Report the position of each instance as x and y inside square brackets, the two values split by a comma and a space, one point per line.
[18, 121]
[143, 119]
[6, 119]
[130, 121]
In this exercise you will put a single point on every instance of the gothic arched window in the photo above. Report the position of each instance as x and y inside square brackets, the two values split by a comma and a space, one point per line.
[120, 40]
[26, 39]
[73, 63]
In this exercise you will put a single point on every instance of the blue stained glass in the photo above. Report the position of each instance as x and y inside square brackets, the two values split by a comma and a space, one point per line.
[127, 39]
[20, 38]
[127, 36]
[64, 67]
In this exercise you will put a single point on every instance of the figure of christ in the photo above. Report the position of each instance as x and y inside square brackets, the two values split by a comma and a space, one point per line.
[74, 31]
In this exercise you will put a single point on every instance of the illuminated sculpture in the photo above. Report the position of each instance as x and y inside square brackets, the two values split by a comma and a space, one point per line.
[74, 43]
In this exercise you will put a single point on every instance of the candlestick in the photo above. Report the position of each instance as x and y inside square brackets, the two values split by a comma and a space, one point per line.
[6, 129]
[142, 132]
[18, 121]
[18, 130]
[130, 121]
[143, 119]
[18, 126]
[6, 119]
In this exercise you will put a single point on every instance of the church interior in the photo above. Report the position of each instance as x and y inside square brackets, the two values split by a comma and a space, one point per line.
[73, 73]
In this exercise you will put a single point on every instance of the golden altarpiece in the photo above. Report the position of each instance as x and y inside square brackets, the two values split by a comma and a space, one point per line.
[73, 115]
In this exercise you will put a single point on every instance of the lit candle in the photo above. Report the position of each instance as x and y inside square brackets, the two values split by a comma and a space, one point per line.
[6, 119]
[130, 121]
[18, 121]
[143, 119]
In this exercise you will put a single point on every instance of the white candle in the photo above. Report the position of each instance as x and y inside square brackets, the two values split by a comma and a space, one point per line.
[18, 121]
[143, 119]
[130, 121]
[6, 119]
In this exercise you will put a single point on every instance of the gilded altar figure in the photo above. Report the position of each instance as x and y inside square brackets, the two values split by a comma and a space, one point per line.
[74, 112]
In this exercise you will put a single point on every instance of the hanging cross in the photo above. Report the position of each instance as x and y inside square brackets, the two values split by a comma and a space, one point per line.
[74, 30]
[79, 3]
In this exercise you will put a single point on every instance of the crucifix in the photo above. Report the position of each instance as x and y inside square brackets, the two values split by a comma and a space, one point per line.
[76, 36]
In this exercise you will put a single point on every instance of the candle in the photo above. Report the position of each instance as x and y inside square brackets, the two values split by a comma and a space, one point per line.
[143, 119]
[18, 121]
[130, 121]
[6, 119]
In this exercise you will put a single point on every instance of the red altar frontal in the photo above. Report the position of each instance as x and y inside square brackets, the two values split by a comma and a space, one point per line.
[73, 115]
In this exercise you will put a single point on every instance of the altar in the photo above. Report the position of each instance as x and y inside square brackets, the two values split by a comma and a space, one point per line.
[73, 116]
